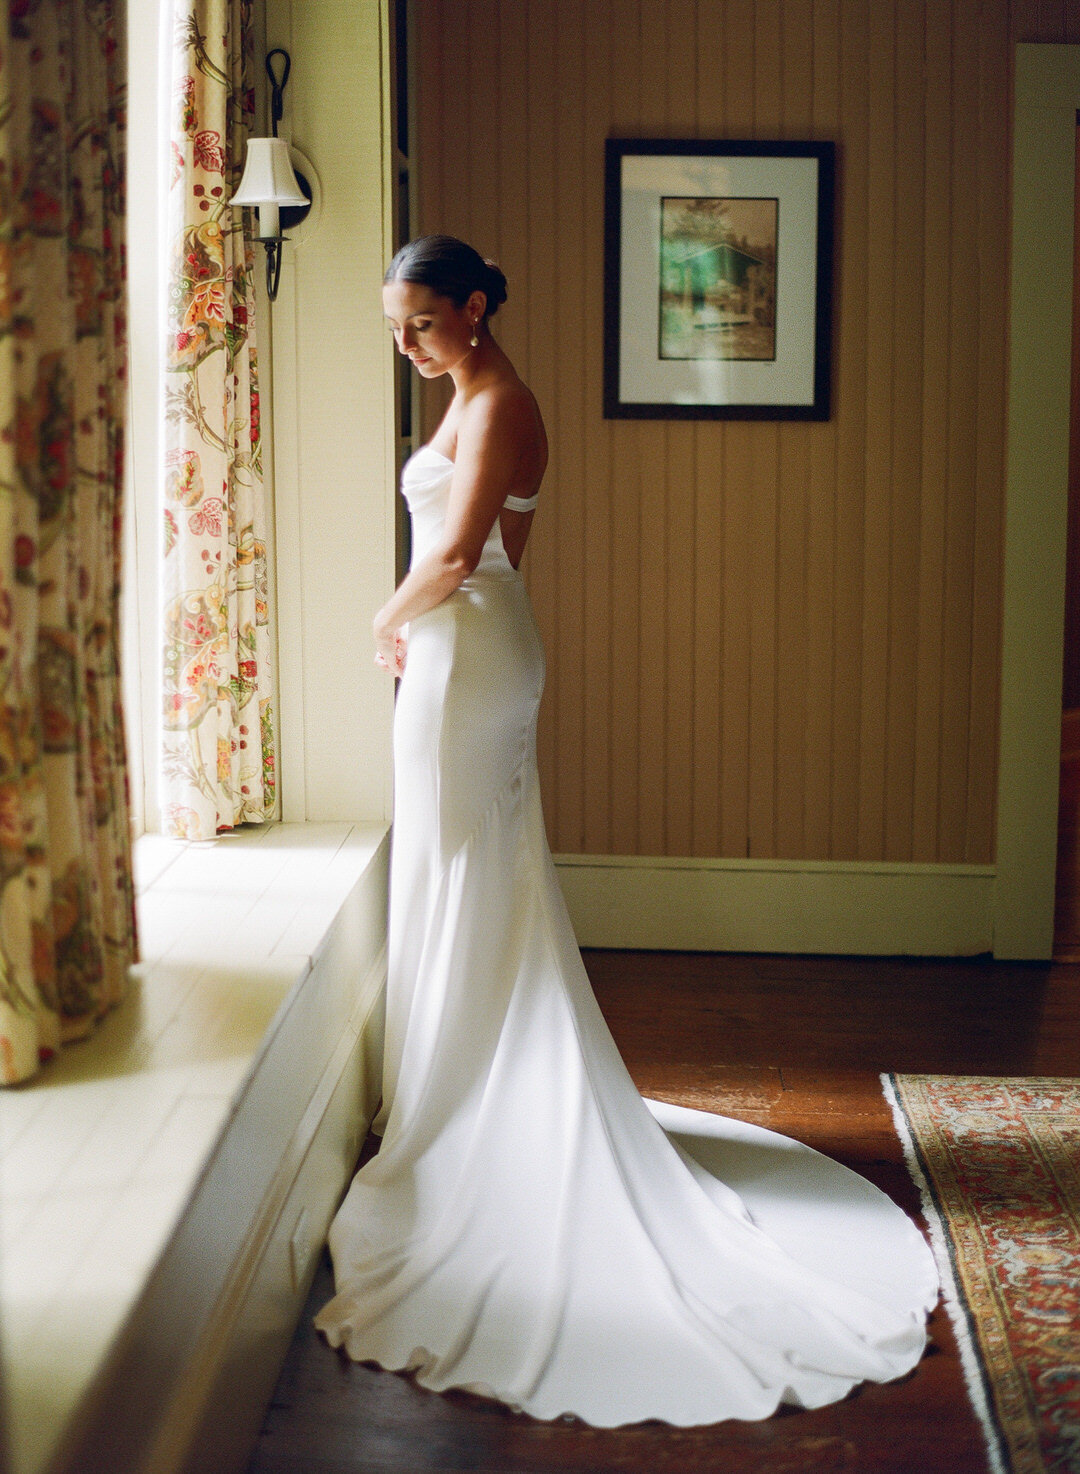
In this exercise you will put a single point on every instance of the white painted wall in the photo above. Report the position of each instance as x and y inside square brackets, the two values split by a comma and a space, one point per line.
[332, 403]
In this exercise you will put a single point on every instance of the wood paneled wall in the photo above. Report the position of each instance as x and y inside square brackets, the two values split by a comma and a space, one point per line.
[765, 639]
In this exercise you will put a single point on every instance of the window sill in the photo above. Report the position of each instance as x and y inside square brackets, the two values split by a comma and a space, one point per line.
[106, 1151]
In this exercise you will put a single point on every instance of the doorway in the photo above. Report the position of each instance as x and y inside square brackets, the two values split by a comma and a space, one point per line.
[1067, 887]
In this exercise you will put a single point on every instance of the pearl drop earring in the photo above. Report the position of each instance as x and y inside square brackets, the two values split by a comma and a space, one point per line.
[474, 341]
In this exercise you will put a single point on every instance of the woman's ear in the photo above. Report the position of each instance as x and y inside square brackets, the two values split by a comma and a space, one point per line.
[477, 303]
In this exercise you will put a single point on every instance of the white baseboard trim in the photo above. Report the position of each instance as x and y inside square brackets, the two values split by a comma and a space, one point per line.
[831, 906]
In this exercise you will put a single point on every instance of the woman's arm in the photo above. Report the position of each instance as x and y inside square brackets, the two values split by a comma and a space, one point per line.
[489, 440]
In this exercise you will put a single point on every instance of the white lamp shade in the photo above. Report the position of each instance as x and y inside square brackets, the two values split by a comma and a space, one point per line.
[268, 175]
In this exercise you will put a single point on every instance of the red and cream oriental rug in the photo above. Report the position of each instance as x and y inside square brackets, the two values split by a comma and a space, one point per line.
[998, 1164]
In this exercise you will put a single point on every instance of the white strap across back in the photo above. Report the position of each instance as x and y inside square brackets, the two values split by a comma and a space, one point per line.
[522, 503]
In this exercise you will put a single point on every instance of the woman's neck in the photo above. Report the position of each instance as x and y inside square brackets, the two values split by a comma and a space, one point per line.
[478, 367]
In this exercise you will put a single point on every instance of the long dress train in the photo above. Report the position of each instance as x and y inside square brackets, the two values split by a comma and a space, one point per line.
[531, 1228]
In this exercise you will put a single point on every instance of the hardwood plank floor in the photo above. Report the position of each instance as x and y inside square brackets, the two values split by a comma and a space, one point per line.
[793, 1043]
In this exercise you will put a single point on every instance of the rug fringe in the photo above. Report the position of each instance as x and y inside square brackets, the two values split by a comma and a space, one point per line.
[974, 1375]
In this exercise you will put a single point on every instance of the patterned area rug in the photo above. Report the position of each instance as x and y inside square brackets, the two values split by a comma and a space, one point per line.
[998, 1163]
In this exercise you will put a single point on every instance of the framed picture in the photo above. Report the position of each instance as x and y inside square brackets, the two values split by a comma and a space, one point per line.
[717, 279]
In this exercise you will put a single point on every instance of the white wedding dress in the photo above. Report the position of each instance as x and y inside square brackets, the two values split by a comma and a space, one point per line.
[531, 1228]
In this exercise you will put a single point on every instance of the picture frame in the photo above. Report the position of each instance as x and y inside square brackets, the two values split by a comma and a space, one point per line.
[718, 279]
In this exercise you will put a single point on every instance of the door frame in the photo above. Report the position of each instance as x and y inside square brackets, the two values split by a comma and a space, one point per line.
[1046, 102]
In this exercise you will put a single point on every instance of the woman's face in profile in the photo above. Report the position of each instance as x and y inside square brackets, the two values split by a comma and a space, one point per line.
[428, 328]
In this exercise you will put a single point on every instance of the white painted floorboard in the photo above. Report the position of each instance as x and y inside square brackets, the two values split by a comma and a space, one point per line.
[100, 1151]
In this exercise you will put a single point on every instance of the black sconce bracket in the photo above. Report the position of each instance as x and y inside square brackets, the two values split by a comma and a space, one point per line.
[289, 215]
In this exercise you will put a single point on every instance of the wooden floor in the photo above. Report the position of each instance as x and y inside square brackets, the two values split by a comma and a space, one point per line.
[794, 1043]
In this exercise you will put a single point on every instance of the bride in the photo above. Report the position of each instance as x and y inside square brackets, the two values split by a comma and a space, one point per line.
[532, 1229]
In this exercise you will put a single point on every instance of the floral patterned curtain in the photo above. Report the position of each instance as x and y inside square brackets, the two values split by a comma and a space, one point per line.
[67, 920]
[218, 761]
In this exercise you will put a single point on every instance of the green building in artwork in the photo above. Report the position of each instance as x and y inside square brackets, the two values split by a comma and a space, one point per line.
[717, 299]
[696, 274]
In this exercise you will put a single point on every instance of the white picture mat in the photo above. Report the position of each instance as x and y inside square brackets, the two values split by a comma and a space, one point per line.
[644, 377]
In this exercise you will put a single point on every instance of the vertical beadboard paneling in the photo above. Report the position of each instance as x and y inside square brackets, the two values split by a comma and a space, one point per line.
[681, 474]
[507, 152]
[881, 257]
[851, 406]
[651, 490]
[770, 639]
[483, 104]
[596, 491]
[993, 217]
[908, 192]
[761, 747]
[453, 133]
[763, 776]
[736, 591]
[543, 299]
[625, 522]
[679, 641]
[906, 469]
[568, 514]
[705, 651]
[735, 671]
[962, 388]
[936, 228]
[793, 543]
[821, 495]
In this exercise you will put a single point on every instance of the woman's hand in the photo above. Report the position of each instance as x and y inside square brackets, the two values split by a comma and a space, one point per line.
[390, 648]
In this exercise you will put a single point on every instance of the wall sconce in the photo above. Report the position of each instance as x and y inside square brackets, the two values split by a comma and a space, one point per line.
[282, 197]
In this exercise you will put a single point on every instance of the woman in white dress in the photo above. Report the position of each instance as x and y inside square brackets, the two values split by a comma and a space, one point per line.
[532, 1229]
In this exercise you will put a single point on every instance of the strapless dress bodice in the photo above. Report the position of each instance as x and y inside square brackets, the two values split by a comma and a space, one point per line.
[425, 485]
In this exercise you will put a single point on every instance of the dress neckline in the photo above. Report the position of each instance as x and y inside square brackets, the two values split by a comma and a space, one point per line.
[435, 452]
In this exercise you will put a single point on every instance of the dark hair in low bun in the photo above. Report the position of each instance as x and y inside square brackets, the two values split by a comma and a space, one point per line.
[451, 268]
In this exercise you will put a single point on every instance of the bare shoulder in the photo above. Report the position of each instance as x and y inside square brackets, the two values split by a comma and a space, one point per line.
[505, 412]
